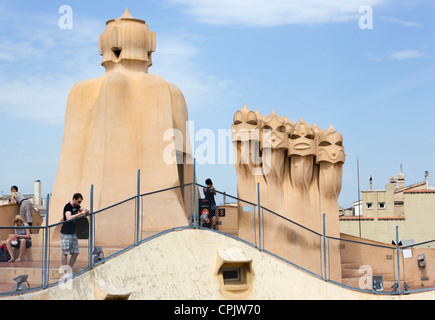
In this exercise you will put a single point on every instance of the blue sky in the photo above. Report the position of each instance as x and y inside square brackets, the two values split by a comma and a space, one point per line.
[300, 58]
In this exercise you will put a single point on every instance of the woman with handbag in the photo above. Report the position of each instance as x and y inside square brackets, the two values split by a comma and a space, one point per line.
[21, 239]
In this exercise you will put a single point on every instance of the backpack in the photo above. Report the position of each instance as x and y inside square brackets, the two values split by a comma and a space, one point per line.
[4, 254]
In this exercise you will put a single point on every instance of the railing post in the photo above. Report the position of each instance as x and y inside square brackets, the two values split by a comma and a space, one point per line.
[138, 208]
[194, 194]
[324, 245]
[45, 275]
[91, 227]
[259, 216]
[398, 258]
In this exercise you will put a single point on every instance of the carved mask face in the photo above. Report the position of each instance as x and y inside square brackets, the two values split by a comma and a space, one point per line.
[244, 125]
[330, 147]
[301, 140]
[273, 132]
[127, 38]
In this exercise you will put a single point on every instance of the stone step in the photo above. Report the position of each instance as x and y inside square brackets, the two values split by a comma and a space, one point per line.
[32, 265]
[33, 269]
[349, 265]
[356, 272]
[35, 253]
[388, 283]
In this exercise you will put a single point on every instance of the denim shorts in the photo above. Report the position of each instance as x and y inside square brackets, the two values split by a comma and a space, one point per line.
[213, 210]
[28, 243]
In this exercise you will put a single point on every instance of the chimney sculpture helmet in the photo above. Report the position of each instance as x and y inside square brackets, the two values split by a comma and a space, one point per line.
[273, 132]
[245, 125]
[330, 147]
[301, 140]
[127, 38]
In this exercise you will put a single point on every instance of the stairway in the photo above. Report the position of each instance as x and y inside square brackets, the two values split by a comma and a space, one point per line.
[356, 277]
[32, 264]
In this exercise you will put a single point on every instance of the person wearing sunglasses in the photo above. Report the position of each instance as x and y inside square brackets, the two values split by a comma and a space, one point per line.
[69, 240]
[21, 240]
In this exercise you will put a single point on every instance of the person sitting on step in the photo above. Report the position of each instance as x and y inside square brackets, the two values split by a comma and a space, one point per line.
[21, 239]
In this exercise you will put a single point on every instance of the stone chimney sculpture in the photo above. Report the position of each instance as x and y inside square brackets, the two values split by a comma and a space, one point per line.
[116, 125]
[298, 169]
[298, 166]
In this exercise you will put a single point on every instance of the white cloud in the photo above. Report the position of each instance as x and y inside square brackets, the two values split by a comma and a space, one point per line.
[39, 68]
[406, 54]
[372, 57]
[401, 22]
[38, 96]
[274, 12]
[404, 84]
[397, 55]
[175, 59]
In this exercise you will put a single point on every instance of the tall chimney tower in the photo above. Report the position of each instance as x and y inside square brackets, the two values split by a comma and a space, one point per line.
[37, 193]
[401, 178]
[426, 179]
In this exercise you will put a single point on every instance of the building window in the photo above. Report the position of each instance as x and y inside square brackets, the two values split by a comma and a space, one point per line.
[235, 278]
[369, 205]
[232, 275]
[382, 206]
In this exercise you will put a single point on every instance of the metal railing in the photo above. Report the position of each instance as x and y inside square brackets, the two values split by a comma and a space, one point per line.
[353, 264]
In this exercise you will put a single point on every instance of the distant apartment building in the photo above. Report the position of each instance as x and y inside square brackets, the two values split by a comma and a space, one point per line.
[411, 208]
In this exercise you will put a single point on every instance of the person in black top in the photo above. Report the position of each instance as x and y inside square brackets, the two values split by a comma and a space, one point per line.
[209, 193]
[69, 241]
